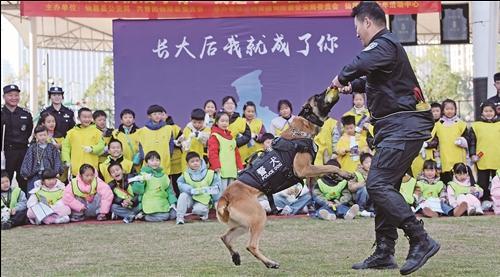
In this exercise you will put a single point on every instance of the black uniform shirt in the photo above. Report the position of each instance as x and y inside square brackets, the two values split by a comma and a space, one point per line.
[65, 118]
[18, 127]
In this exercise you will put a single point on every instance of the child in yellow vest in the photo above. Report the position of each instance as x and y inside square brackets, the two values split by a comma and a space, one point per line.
[484, 151]
[223, 155]
[332, 197]
[350, 146]
[13, 204]
[83, 144]
[361, 115]
[127, 134]
[281, 123]
[432, 200]
[357, 186]
[125, 201]
[87, 195]
[327, 140]
[237, 125]
[115, 156]
[194, 137]
[463, 190]
[407, 190]
[100, 118]
[256, 128]
[155, 191]
[451, 137]
[156, 135]
[176, 157]
[199, 188]
[49, 191]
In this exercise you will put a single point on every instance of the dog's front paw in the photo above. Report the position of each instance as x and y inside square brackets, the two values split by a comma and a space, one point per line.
[346, 175]
[272, 264]
[236, 258]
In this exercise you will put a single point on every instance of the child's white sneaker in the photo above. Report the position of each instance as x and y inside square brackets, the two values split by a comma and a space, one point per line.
[352, 212]
[286, 210]
[139, 215]
[113, 216]
[486, 205]
[365, 213]
[179, 221]
[324, 214]
[62, 219]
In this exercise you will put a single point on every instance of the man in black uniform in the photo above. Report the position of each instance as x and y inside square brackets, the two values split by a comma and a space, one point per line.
[65, 118]
[402, 121]
[18, 124]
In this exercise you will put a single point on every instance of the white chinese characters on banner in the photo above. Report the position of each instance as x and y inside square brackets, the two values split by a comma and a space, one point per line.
[326, 43]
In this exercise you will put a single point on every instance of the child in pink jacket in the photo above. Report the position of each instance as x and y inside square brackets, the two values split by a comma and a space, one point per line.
[49, 191]
[461, 190]
[495, 192]
[87, 195]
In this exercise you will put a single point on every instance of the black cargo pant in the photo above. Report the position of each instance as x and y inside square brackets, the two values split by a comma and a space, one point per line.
[389, 164]
[13, 161]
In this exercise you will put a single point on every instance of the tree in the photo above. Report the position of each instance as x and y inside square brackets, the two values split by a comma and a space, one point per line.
[435, 76]
[100, 93]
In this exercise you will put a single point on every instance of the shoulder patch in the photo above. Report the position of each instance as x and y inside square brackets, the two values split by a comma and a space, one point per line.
[370, 46]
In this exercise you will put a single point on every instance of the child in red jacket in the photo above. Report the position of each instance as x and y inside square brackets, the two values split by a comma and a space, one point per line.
[223, 154]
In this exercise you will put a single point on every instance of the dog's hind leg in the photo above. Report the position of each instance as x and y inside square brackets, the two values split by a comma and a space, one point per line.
[253, 245]
[228, 239]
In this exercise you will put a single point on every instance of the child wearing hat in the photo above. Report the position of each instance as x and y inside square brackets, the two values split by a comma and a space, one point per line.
[83, 144]
[40, 156]
[49, 191]
[199, 187]
[156, 135]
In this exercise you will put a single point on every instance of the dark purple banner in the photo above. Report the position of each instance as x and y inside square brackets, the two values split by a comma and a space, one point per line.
[181, 63]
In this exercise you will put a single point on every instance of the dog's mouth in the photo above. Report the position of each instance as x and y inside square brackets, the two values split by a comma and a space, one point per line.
[318, 107]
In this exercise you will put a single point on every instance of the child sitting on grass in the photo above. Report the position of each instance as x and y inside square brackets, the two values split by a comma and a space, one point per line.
[87, 195]
[13, 204]
[49, 191]
[157, 195]
[199, 187]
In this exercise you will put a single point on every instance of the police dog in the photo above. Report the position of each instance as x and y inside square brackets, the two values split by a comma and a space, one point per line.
[238, 206]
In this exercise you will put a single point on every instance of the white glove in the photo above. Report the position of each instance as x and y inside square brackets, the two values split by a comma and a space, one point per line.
[425, 145]
[87, 149]
[195, 192]
[475, 158]
[461, 142]
[137, 178]
[358, 130]
[147, 176]
[173, 207]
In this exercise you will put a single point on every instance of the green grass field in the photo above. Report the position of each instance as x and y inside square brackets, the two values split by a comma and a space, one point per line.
[470, 246]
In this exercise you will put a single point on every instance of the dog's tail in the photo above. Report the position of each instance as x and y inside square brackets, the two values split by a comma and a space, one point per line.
[222, 210]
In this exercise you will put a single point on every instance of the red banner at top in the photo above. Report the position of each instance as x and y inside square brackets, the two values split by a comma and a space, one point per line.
[212, 9]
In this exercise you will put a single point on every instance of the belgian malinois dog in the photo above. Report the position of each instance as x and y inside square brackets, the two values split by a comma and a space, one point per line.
[238, 206]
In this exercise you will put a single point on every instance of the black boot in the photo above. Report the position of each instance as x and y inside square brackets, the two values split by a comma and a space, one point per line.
[422, 246]
[382, 258]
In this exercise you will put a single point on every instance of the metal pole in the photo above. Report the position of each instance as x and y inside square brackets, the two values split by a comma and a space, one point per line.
[47, 63]
[33, 67]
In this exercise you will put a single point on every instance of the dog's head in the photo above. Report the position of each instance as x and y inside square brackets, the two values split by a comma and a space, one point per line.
[318, 106]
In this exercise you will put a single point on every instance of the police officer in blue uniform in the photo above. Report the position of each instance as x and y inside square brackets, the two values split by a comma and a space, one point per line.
[18, 125]
[65, 117]
[402, 122]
